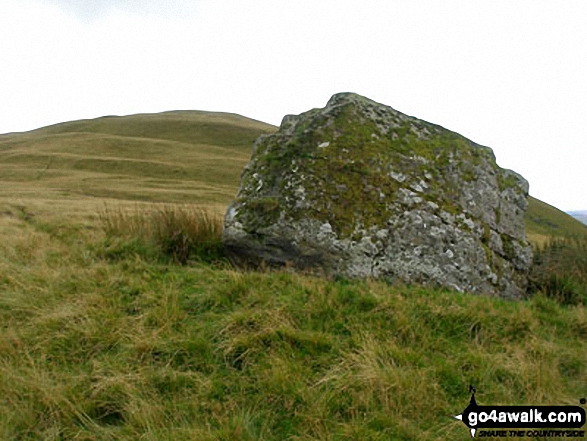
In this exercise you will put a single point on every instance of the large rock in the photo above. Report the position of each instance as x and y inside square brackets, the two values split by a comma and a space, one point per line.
[359, 189]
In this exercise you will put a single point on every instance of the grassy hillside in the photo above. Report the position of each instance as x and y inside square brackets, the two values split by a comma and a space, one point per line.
[103, 337]
[544, 221]
[174, 157]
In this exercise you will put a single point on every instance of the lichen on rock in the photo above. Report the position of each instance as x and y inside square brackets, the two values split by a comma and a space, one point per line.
[359, 189]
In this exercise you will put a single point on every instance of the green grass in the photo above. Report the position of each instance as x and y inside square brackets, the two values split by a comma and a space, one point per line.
[560, 270]
[97, 345]
[185, 157]
[172, 232]
[544, 221]
[104, 337]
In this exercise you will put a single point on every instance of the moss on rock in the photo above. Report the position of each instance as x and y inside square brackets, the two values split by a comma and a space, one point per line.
[365, 185]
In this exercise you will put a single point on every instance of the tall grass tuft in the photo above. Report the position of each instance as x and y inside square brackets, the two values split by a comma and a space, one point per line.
[179, 232]
[560, 270]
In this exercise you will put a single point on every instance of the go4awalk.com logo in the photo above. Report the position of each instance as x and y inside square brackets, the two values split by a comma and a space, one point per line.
[537, 421]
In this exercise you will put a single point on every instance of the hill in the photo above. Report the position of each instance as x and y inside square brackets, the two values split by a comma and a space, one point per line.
[104, 337]
[544, 221]
[173, 157]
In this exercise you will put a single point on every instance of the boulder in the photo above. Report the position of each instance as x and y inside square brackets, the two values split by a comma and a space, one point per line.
[360, 190]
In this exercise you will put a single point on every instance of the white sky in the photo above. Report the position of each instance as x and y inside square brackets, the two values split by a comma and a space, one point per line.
[509, 74]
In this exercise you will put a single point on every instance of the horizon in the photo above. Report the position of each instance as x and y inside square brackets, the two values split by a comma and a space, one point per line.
[507, 76]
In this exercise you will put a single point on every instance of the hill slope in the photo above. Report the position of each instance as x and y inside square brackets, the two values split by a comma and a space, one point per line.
[544, 221]
[186, 156]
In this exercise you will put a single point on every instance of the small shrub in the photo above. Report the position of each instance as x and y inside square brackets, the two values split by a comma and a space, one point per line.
[177, 232]
[560, 271]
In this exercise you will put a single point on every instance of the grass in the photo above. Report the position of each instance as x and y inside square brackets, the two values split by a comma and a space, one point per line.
[175, 157]
[560, 270]
[544, 222]
[176, 232]
[133, 347]
[104, 337]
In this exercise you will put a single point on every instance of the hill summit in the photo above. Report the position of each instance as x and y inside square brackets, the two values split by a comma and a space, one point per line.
[359, 189]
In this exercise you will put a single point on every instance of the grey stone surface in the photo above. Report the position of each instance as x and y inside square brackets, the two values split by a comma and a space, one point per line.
[359, 189]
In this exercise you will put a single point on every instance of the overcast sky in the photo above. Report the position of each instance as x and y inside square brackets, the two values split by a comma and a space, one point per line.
[509, 74]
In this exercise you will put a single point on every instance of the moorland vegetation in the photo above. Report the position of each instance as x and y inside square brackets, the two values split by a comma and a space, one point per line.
[121, 319]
